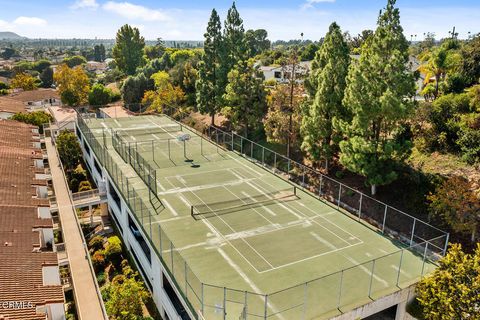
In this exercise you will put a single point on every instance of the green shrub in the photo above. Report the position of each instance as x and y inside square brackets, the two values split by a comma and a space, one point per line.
[101, 278]
[98, 260]
[469, 143]
[84, 186]
[96, 243]
[340, 174]
[113, 250]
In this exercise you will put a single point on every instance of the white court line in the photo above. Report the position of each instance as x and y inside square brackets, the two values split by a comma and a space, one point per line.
[220, 218]
[164, 201]
[184, 201]
[301, 214]
[262, 206]
[367, 271]
[201, 173]
[401, 271]
[325, 242]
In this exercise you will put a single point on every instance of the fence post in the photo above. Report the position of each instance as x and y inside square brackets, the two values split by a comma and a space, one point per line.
[168, 142]
[232, 140]
[153, 152]
[274, 162]
[340, 291]
[360, 206]
[265, 312]
[384, 219]
[371, 280]
[446, 245]
[320, 186]
[201, 146]
[303, 178]
[186, 280]
[201, 298]
[305, 295]
[413, 231]
[224, 303]
[288, 169]
[400, 268]
[263, 156]
[245, 307]
[171, 255]
[160, 240]
[150, 222]
[241, 145]
[339, 195]
[424, 258]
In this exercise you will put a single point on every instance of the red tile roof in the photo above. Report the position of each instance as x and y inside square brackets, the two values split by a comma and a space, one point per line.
[21, 260]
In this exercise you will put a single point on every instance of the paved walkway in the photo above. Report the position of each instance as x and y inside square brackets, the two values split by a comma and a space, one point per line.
[86, 297]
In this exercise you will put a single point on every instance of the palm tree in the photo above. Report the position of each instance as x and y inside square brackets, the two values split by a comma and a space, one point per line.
[435, 65]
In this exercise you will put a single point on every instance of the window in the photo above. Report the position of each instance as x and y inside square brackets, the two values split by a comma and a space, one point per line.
[141, 241]
[277, 75]
[97, 166]
[174, 299]
[114, 195]
[87, 149]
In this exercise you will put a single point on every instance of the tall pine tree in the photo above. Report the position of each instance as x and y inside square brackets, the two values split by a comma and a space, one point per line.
[378, 94]
[235, 49]
[328, 80]
[210, 85]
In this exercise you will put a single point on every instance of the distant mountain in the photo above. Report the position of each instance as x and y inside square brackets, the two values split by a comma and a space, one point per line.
[7, 35]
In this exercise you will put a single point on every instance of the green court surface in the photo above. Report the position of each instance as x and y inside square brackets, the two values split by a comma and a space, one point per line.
[243, 243]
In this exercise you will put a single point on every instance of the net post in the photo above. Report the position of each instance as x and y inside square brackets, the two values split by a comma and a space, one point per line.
[191, 211]
[400, 268]
[371, 279]
[413, 231]
[384, 219]
[295, 190]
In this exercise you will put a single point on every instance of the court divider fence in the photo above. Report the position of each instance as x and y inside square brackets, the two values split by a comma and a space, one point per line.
[327, 295]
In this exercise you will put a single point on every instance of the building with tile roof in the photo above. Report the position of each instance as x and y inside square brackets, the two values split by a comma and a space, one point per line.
[30, 286]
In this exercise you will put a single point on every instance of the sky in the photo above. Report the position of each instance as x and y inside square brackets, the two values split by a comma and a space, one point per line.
[187, 19]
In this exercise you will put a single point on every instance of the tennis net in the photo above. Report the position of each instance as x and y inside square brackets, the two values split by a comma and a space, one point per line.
[208, 210]
[150, 130]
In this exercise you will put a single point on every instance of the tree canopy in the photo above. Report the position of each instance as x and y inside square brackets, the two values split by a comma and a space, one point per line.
[73, 85]
[379, 96]
[128, 49]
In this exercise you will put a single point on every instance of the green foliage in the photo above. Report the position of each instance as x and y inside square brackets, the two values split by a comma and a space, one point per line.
[256, 41]
[68, 149]
[96, 243]
[156, 51]
[84, 186]
[469, 143]
[378, 95]
[234, 37]
[455, 203]
[328, 78]
[36, 118]
[24, 81]
[41, 65]
[210, 86]
[99, 53]
[128, 49]
[101, 278]
[4, 86]
[46, 76]
[113, 250]
[125, 299]
[451, 291]
[73, 85]
[245, 97]
[74, 61]
[133, 89]
[470, 66]
[166, 95]
[98, 261]
[277, 120]
[99, 95]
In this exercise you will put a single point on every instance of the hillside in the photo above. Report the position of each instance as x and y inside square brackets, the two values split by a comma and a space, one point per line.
[7, 35]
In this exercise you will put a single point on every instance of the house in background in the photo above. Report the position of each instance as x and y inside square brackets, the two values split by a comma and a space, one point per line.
[26, 101]
[282, 74]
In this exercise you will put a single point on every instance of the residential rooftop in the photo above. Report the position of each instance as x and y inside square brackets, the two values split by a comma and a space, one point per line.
[237, 237]
[24, 217]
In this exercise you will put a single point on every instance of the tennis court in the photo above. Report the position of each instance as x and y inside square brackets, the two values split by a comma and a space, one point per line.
[242, 242]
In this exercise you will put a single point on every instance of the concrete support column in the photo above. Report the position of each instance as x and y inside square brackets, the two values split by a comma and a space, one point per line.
[401, 311]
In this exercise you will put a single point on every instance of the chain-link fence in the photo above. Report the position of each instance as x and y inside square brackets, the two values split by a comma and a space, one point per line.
[330, 294]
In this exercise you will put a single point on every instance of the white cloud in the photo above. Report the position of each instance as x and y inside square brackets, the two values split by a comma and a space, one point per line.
[310, 3]
[133, 11]
[4, 25]
[30, 21]
[81, 4]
